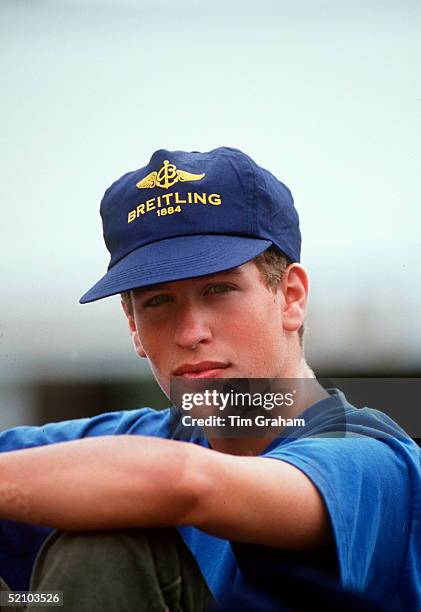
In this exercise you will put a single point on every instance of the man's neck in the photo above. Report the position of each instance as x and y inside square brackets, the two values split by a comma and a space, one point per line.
[307, 392]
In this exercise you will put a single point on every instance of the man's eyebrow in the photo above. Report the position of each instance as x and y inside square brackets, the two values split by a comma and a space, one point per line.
[163, 286]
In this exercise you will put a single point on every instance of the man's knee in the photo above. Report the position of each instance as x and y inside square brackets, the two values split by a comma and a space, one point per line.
[151, 564]
[122, 551]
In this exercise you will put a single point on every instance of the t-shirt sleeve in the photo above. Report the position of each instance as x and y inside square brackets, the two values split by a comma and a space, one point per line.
[365, 486]
[143, 421]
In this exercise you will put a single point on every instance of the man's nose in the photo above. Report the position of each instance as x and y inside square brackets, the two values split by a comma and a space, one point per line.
[192, 326]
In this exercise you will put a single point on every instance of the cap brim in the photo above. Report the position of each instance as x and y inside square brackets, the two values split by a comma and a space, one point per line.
[176, 259]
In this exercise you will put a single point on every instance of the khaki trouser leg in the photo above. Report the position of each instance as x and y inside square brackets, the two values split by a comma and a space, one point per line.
[142, 570]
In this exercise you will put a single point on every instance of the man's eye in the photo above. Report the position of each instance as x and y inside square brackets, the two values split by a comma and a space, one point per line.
[156, 300]
[220, 288]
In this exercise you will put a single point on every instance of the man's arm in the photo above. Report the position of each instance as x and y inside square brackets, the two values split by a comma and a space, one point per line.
[137, 481]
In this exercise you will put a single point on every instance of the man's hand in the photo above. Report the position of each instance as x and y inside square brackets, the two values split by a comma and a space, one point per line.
[138, 481]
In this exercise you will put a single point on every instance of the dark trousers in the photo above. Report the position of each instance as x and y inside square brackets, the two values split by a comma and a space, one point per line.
[152, 570]
[142, 570]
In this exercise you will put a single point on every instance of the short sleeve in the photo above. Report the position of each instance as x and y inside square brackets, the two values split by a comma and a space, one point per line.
[365, 486]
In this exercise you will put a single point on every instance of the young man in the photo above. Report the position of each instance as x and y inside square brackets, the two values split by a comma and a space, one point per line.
[205, 250]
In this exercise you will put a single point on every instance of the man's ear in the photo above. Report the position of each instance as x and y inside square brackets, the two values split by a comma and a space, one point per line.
[295, 286]
[138, 347]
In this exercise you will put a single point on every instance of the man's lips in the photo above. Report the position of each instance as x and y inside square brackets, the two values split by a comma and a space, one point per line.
[204, 369]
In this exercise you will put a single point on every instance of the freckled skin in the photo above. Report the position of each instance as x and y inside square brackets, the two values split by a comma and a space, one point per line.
[15, 496]
[229, 318]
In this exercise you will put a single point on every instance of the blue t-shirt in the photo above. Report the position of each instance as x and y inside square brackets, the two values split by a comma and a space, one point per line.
[368, 472]
[366, 468]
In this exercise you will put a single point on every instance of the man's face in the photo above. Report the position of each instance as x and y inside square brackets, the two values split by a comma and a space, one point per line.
[227, 325]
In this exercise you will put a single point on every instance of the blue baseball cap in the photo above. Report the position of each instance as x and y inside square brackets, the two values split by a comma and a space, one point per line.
[189, 214]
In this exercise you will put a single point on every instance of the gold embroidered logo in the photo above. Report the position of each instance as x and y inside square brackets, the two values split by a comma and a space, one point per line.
[166, 177]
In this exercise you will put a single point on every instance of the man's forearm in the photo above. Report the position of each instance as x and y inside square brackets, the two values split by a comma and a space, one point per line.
[98, 483]
[138, 481]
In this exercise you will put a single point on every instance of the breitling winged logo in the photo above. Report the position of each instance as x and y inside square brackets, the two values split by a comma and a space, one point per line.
[166, 177]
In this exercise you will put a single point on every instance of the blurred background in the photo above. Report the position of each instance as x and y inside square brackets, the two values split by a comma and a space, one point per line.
[324, 93]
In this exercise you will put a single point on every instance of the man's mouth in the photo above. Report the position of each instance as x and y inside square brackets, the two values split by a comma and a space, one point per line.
[204, 369]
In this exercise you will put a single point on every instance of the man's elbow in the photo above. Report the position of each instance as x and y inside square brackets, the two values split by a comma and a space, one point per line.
[170, 493]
